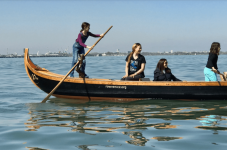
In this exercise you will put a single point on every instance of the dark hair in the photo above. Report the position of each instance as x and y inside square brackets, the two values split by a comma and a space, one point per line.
[84, 26]
[160, 64]
[215, 48]
[134, 46]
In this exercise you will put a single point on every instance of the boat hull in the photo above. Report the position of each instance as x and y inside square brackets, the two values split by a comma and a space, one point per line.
[86, 90]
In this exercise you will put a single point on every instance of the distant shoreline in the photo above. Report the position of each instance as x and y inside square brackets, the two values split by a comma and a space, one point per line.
[108, 54]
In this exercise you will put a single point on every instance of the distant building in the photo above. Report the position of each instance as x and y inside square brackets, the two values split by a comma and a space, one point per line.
[171, 51]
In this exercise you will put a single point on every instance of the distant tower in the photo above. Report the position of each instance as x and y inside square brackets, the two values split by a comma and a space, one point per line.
[38, 53]
[118, 51]
[171, 51]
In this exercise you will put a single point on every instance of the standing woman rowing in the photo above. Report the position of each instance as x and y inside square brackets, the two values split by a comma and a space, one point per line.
[78, 47]
[211, 69]
[135, 64]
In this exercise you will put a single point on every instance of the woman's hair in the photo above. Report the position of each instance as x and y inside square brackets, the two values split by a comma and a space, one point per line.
[160, 64]
[215, 48]
[134, 46]
[84, 26]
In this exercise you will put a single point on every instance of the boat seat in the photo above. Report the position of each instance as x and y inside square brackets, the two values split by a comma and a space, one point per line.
[144, 79]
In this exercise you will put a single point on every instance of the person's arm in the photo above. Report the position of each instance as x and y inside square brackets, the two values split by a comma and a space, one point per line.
[168, 74]
[211, 60]
[80, 41]
[95, 35]
[156, 75]
[174, 78]
[126, 70]
[139, 71]
[215, 70]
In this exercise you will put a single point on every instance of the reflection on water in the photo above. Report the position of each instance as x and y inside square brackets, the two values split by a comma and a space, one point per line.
[137, 138]
[210, 120]
[132, 119]
[35, 148]
[166, 138]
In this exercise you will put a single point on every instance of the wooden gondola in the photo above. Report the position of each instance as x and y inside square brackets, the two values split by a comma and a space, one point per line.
[107, 89]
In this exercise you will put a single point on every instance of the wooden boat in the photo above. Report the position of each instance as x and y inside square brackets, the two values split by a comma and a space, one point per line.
[107, 89]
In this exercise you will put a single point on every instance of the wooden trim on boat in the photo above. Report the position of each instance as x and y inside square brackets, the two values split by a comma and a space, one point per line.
[28, 63]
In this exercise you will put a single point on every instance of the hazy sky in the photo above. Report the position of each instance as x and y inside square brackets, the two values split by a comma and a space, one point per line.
[159, 25]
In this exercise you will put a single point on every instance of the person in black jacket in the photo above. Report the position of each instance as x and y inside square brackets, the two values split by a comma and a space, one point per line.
[163, 73]
[135, 64]
[211, 69]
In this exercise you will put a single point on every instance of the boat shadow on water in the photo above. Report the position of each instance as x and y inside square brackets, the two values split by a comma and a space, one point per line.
[130, 118]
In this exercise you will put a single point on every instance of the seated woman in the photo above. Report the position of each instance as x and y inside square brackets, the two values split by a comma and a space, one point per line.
[160, 75]
[135, 64]
[211, 69]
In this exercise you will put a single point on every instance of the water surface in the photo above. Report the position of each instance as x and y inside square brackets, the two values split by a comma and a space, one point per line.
[27, 124]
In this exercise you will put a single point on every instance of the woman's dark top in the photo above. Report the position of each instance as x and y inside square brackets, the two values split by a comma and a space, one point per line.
[135, 64]
[212, 61]
[160, 76]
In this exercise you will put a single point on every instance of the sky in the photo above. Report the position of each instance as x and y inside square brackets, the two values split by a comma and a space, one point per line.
[159, 25]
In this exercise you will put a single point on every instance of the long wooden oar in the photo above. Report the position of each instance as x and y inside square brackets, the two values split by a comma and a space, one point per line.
[47, 97]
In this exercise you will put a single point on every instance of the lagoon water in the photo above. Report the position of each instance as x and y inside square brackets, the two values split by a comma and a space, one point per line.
[60, 124]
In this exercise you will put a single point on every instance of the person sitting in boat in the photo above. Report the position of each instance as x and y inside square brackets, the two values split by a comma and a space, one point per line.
[78, 48]
[211, 69]
[135, 64]
[163, 73]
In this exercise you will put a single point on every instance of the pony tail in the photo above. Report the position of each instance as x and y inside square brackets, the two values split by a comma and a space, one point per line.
[129, 57]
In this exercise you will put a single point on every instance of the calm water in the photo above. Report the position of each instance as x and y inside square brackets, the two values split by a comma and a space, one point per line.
[59, 124]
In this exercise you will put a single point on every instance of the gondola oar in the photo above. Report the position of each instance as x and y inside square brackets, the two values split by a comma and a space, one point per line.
[47, 97]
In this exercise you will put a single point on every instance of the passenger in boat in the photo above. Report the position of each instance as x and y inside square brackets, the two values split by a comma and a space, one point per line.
[211, 69]
[163, 73]
[135, 64]
[78, 49]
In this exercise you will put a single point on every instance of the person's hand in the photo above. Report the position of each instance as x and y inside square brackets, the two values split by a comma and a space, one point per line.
[88, 47]
[125, 76]
[101, 35]
[132, 75]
